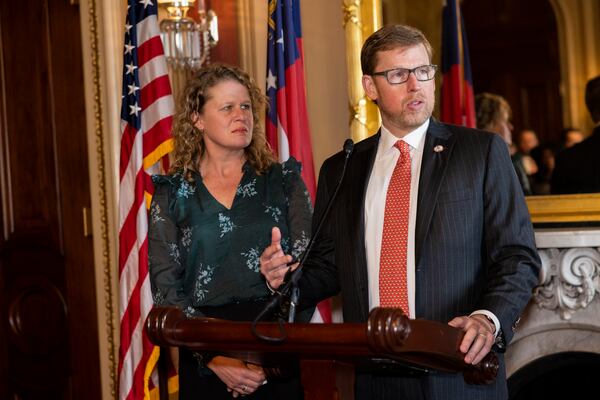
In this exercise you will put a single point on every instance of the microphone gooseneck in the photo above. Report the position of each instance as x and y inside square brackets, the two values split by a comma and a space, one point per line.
[290, 289]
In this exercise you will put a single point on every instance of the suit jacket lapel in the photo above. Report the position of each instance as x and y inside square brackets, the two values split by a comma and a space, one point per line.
[357, 180]
[433, 167]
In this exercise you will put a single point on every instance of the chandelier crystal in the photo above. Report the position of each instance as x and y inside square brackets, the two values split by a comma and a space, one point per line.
[187, 42]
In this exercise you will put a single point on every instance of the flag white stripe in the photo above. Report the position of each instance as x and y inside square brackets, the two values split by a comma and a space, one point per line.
[135, 352]
[127, 185]
[283, 146]
[131, 360]
[147, 28]
[130, 273]
[154, 68]
[160, 109]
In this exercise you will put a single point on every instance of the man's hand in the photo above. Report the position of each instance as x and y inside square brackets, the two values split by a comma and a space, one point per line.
[478, 339]
[273, 263]
[241, 378]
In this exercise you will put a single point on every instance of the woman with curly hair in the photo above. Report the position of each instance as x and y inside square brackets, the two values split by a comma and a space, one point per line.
[212, 216]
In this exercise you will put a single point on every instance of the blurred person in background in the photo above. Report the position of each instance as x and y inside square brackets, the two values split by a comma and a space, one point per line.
[493, 114]
[526, 141]
[544, 157]
[578, 167]
[569, 137]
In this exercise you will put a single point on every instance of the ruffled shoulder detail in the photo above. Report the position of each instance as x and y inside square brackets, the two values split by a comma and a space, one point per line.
[176, 185]
[166, 180]
[291, 165]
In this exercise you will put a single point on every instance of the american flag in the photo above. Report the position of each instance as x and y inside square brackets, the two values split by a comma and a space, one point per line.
[458, 102]
[287, 122]
[146, 117]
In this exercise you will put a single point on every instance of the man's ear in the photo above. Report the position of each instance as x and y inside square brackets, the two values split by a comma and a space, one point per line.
[369, 87]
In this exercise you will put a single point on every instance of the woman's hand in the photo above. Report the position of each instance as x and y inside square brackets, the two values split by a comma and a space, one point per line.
[241, 378]
[273, 263]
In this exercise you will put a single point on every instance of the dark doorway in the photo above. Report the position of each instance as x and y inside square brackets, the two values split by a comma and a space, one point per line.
[563, 375]
[514, 53]
[48, 318]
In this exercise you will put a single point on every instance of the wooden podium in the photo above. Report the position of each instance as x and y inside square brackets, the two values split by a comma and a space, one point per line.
[328, 353]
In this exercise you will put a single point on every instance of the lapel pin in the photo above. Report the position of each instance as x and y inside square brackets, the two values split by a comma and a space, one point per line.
[439, 148]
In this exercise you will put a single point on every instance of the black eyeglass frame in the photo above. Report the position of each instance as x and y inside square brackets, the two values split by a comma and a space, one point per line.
[409, 70]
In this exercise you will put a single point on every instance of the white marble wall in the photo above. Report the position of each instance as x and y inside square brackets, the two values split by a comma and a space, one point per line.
[564, 313]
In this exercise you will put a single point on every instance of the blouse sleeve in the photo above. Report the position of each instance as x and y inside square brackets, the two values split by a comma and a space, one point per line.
[164, 258]
[299, 206]
[299, 216]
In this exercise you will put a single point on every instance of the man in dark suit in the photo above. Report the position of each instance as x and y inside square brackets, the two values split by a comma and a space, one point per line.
[465, 246]
[577, 168]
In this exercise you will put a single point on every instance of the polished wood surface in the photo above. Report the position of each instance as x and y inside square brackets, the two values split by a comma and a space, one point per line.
[48, 327]
[388, 338]
[227, 49]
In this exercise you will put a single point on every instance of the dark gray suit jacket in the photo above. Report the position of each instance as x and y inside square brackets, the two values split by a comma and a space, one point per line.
[474, 242]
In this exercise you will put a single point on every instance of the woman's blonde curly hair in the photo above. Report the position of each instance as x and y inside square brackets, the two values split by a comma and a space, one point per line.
[189, 140]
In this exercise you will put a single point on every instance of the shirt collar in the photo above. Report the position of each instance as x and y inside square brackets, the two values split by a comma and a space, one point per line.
[413, 138]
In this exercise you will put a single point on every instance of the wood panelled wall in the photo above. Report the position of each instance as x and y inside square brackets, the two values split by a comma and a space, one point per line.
[48, 318]
[514, 52]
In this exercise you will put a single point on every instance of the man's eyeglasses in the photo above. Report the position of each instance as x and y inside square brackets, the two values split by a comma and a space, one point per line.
[397, 76]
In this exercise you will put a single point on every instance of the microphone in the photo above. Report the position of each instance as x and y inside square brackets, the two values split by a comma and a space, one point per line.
[290, 287]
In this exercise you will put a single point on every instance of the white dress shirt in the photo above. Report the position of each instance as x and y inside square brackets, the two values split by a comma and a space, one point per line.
[385, 161]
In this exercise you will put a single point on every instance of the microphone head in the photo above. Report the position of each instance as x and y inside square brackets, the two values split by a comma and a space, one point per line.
[348, 147]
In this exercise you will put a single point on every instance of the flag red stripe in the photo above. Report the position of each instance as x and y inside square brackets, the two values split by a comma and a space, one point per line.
[469, 99]
[130, 318]
[155, 136]
[148, 184]
[154, 90]
[148, 50]
[457, 105]
[127, 140]
[132, 313]
[299, 138]
[128, 233]
[451, 98]
[324, 309]
[137, 391]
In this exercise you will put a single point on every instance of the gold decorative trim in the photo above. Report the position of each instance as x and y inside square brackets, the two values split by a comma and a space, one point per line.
[356, 112]
[98, 131]
[351, 13]
[564, 208]
[365, 18]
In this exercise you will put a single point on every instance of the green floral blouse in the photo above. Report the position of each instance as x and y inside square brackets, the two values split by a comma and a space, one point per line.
[204, 254]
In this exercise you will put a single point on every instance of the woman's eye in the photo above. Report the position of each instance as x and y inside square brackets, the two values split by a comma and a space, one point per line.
[246, 107]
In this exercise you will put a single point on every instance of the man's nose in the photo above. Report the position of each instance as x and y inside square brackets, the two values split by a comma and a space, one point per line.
[412, 83]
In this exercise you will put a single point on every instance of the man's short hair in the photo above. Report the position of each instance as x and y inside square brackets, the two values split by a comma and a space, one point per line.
[388, 38]
[592, 98]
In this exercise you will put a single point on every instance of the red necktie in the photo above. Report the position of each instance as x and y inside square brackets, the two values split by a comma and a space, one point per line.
[393, 291]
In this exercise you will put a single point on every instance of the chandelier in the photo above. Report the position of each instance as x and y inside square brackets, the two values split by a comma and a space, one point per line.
[188, 32]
